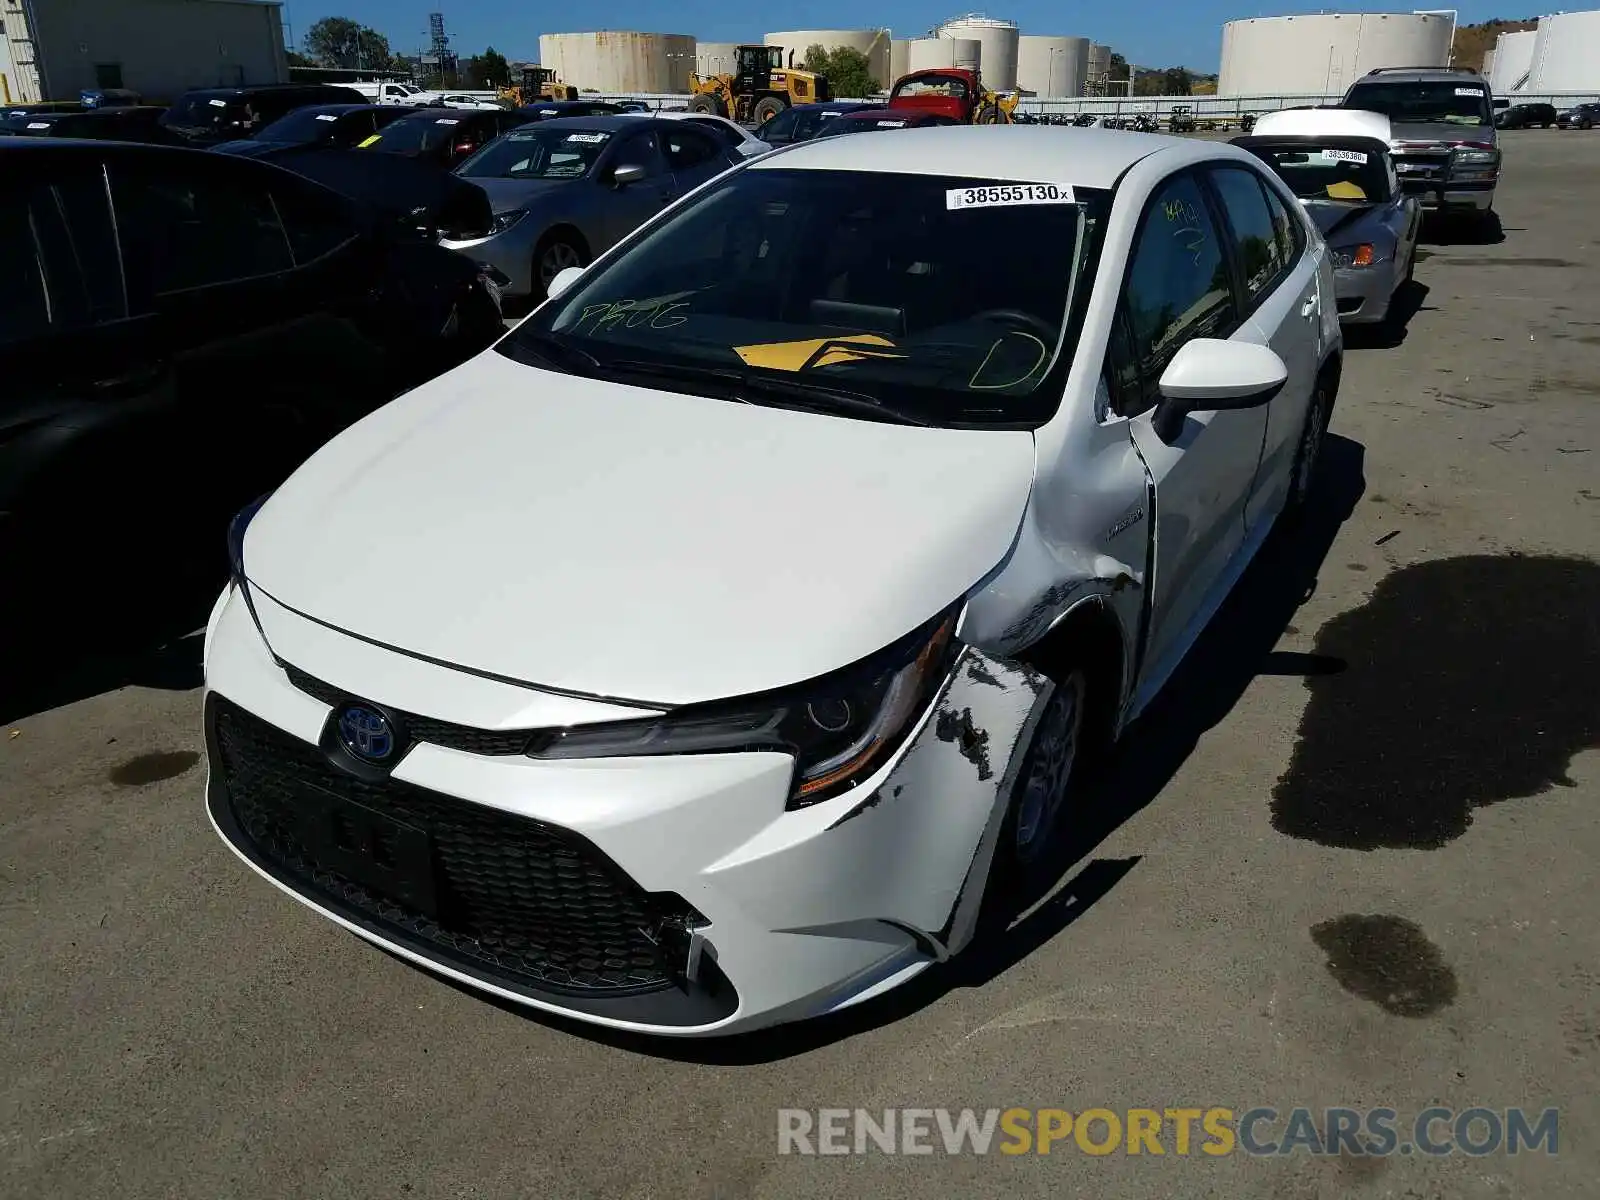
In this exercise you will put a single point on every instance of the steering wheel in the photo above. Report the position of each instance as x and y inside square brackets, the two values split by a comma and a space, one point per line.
[1016, 316]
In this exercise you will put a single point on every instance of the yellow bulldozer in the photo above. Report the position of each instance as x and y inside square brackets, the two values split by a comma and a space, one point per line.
[760, 87]
[538, 84]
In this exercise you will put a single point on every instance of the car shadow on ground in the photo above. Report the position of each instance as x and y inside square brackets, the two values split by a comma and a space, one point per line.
[1407, 302]
[1239, 645]
[1442, 229]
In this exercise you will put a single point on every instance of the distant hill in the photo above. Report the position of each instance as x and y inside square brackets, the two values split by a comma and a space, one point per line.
[1474, 41]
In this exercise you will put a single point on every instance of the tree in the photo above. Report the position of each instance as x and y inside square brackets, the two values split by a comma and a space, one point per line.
[296, 59]
[848, 72]
[348, 45]
[490, 69]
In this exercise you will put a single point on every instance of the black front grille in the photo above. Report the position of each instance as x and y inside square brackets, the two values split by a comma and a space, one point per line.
[424, 729]
[510, 898]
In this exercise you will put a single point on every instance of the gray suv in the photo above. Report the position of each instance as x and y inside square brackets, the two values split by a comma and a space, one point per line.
[1444, 143]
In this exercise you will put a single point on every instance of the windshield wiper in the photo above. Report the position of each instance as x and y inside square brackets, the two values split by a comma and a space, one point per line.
[741, 386]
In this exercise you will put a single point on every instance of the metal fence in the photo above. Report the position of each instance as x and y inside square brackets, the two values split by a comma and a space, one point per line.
[1204, 108]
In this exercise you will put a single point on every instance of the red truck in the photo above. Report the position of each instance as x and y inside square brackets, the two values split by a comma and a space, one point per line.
[952, 92]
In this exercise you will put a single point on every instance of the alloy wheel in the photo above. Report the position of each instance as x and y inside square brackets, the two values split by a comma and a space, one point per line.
[557, 257]
[1051, 759]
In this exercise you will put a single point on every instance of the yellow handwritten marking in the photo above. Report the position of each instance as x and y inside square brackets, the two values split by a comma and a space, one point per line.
[1345, 190]
[793, 356]
[373, 140]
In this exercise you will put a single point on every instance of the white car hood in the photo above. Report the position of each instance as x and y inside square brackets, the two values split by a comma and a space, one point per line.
[633, 544]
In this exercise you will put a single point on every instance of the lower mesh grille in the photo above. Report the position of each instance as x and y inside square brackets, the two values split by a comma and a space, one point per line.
[510, 897]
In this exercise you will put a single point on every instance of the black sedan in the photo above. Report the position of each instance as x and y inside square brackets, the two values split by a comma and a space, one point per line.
[802, 122]
[878, 120]
[337, 126]
[1579, 116]
[443, 136]
[178, 330]
[551, 109]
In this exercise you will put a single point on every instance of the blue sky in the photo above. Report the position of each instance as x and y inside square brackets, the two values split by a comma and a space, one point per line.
[1155, 33]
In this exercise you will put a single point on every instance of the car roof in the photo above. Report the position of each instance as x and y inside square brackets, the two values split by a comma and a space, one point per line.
[836, 106]
[1324, 122]
[1091, 158]
[598, 121]
[339, 108]
[252, 89]
[1423, 75]
[440, 111]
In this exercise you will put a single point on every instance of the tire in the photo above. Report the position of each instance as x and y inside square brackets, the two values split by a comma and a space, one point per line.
[706, 102]
[1056, 763]
[767, 108]
[986, 114]
[554, 253]
[1302, 476]
[1585, 124]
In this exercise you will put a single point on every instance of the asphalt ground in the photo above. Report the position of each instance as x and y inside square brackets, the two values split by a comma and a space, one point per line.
[1348, 861]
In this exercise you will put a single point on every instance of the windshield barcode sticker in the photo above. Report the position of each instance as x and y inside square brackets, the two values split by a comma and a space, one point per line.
[217, 103]
[1469, 91]
[447, 121]
[591, 139]
[1349, 156]
[38, 124]
[891, 124]
[1020, 193]
[326, 117]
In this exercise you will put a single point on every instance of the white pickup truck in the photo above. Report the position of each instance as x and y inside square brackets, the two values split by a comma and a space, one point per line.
[393, 92]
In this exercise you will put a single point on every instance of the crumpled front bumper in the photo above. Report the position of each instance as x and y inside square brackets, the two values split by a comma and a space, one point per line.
[805, 912]
[1364, 293]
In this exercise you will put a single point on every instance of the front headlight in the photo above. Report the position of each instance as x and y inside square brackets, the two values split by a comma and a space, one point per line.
[1355, 256]
[504, 221]
[839, 728]
[1475, 156]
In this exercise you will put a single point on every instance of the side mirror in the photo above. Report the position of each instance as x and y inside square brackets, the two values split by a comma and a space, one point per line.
[626, 174]
[563, 279]
[1212, 374]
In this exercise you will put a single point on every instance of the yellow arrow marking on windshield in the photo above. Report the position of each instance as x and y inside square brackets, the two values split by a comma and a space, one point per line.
[794, 356]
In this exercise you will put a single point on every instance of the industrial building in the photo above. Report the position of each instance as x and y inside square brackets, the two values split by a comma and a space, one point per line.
[1099, 69]
[715, 58]
[1052, 66]
[55, 49]
[616, 62]
[932, 53]
[873, 44]
[1323, 53]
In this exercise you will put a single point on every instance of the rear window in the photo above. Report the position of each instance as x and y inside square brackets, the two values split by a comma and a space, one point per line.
[1329, 172]
[1440, 101]
[417, 135]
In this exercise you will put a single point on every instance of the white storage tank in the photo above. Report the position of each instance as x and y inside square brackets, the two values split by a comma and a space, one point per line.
[874, 43]
[617, 62]
[1566, 53]
[997, 42]
[928, 54]
[899, 58]
[1513, 59]
[1052, 66]
[1099, 65]
[715, 58]
[1324, 53]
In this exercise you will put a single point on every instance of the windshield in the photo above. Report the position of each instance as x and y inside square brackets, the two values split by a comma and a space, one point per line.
[931, 299]
[952, 86]
[416, 135]
[302, 125]
[538, 152]
[1436, 101]
[205, 112]
[1330, 172]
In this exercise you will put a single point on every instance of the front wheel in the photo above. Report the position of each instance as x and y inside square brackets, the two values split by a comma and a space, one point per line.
[767, 108]
[554, 254]
[987, 114]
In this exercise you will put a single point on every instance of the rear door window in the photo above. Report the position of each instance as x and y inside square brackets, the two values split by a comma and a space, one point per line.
[687, 148]
[24, 306]
[1254, 240]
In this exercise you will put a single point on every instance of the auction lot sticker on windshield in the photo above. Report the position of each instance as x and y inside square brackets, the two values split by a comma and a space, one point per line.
[38, 124]
[1469, 91]
[447, 121]
[1017, 193]
[217, 103]
[590, 139]
[1349, 156]
[891, 124]
[326, 117]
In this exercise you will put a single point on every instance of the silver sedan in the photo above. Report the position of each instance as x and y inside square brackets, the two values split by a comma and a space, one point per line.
[566, 190]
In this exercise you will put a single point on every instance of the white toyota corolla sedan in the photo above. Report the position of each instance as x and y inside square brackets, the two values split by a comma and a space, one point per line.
[707, 653]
